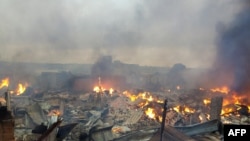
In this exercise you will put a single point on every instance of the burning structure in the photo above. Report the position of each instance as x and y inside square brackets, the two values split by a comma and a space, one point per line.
[231, 64]
[107, 113]
[122, 102]
[103, 106]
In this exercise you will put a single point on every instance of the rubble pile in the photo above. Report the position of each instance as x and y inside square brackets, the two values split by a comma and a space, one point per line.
[91, 111]
[103, 115]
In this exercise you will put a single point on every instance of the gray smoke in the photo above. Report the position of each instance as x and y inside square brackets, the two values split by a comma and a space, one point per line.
[133, 31]
[233, 53]
[174, 76]
[102, 67]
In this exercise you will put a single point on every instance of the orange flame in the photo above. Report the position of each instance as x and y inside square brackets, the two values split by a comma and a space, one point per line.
[160, 101]
[133, 97]
[145, 96]
[189, 110]
[150, 113]
[160, 118]
[111, 90]
[184, 110]
[150, 98]
[177, 109]
[206, 101]
[143, 104]
[4, 83]
[226, 110]
[223, 89]
[98, 89]
[234, 98]
[54, 113]
[21, 89]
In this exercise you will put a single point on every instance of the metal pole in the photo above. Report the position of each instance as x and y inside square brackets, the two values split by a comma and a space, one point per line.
[163, 117]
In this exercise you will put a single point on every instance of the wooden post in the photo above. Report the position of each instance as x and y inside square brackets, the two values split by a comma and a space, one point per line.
[7, 98]
[163, 117]
[216, 107]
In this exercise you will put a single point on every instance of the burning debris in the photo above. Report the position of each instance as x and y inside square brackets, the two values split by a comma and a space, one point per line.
[231, 65]
[167, 101]
[20, 88]
[109, 114]
[4, 83]
[223, 89]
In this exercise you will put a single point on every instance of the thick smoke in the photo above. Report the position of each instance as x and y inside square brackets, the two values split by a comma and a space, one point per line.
[233, 54]
[63, 31]
[102, 68]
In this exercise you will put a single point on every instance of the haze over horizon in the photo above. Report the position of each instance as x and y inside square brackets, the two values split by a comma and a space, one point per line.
[153, 33]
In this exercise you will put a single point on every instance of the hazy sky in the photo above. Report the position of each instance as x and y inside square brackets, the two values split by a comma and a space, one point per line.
[147, 32]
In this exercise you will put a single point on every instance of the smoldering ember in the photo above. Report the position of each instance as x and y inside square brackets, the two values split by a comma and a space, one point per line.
[111, 100]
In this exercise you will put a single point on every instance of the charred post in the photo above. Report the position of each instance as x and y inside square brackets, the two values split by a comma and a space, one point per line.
[216, 107]
[163, 117]
[7, 98]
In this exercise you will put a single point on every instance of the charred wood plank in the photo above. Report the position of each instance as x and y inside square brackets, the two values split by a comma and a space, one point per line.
[215, 107]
